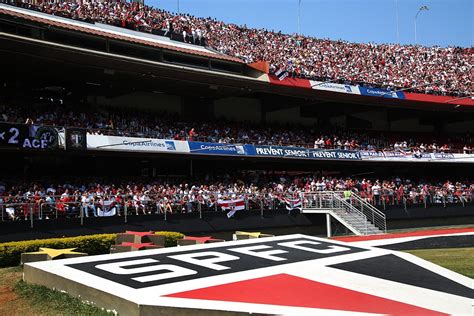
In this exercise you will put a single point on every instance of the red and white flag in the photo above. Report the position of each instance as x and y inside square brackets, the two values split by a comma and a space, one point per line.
[293, 204]
[232, 206]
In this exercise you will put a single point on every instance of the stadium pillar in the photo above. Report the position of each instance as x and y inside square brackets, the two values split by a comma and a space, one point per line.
[191, 167]
[328, 225]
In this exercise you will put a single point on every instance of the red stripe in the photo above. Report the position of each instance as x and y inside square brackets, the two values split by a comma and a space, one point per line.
[236, 203]
[448, 100]
[290, 82]
[289, 290]
[411, 234]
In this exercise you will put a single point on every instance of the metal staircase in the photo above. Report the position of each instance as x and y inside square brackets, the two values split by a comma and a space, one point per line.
[359, 216]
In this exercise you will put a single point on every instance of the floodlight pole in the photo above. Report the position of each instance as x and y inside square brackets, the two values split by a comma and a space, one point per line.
[423, 8]
[177, 3]
[299, 17]
[398, 22]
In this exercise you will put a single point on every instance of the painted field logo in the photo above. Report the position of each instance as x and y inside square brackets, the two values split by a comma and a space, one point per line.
[291, 275]
[155, 269]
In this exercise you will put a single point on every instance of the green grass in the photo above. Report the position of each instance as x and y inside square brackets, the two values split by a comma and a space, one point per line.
[460, 260]
[20, 298]
[50, 302]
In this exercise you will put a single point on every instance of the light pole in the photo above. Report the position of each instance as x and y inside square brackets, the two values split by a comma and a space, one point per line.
[423, 8]
[177, 3]
[398, 22]
[299, 16]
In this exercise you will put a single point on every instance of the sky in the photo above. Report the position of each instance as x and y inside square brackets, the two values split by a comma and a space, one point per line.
[446, 23]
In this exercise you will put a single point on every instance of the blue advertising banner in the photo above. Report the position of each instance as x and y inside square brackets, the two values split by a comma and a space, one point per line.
[334, 154]
[384, 93]
[220, 149]
[296, 152]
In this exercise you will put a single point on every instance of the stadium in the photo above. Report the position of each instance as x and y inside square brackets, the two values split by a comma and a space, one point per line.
[120, 121]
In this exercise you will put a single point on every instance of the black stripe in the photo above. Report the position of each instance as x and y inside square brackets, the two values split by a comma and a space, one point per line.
[393, 268]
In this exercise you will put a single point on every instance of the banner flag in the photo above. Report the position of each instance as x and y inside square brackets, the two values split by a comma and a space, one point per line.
[293, 205]
[232, 206]
[106, 209]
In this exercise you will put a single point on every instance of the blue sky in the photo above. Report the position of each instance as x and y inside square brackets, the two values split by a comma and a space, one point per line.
[447, 23]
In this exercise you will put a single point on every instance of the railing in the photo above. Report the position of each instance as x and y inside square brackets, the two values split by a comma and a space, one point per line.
[375, 216]
[125, 206]
[350, 202]
[144, 131]
[333, 201]
[54, 207]
[354, 213]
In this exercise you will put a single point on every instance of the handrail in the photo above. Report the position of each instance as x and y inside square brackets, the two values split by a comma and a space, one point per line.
[353, 209]
[253, 196]
[380, 146]
[378, 217]
[334, 201]
[369, 212]
[381, 221]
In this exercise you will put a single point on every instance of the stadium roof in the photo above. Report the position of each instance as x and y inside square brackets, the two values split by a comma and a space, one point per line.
[114, 33]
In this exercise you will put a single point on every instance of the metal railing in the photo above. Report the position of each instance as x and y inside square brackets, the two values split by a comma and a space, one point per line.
[376, 217]
[353, 205]
[125, 206]
[331, 201]
[54, 207]
[144, 131]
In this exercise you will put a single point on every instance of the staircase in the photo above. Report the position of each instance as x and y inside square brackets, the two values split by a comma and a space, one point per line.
[353, 212]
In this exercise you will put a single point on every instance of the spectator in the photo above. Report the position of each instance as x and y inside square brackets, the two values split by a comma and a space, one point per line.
[432, 70]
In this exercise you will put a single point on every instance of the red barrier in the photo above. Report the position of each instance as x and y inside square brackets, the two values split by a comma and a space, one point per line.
[262, 66]
[290, 82]
[439, 99]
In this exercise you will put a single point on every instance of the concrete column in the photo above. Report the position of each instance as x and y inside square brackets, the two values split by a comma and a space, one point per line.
[328, 224]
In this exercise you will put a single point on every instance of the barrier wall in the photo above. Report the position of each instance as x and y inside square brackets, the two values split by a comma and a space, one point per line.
[36, 137]
[133, 144]
[371, 92]
[277, 222]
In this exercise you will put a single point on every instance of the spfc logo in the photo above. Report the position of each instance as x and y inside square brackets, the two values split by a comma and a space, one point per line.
[294, 274]
[76, 139]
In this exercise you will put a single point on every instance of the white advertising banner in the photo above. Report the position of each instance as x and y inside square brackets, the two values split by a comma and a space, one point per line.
[334, 87]
[121, 143]
[397, 156]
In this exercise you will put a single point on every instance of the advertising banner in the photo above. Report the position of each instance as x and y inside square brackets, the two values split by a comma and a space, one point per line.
[334, 87]
[384, 93]
[399, 156]
[30, 136]
[220, 149]
[296, 152]
[121, 143]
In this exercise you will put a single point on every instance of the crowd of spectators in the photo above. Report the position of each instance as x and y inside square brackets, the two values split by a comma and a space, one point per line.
[433, 70]
[172, 126]
[259, 189]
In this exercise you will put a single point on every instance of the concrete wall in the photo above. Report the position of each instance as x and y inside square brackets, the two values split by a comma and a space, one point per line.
[410, 125]
[236, 108]
[144, 101]
[289, 115]
[460, 127]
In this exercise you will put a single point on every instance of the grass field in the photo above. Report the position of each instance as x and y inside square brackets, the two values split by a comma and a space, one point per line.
[19, 298]
[460, 260]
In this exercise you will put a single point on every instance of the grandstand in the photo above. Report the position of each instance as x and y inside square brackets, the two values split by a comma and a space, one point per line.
[119, 117]
[135, 114]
